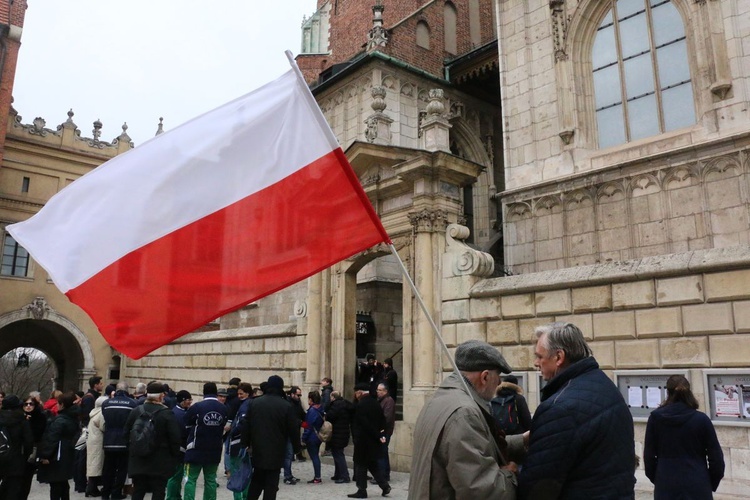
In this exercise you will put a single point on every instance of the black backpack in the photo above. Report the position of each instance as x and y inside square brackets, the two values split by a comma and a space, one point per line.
[4, 445]
[505, 411]
[143, 437]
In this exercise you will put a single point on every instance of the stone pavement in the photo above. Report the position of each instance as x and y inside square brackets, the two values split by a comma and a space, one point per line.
[325, 491]
[328, 489]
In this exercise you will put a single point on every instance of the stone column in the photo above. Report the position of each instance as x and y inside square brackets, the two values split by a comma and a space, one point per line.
[314, 333]
[343, 326]
[426, 272]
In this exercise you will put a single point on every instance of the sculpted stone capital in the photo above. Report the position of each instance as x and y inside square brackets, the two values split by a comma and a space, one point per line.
[428, 221]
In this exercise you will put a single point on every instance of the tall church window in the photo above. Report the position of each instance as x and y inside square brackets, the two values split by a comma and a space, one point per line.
[449, 25]
[642, 83]
[423, 35]
[15, 258]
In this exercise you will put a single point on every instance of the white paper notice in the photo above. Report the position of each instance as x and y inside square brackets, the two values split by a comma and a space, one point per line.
[653, 397]
[635, 397]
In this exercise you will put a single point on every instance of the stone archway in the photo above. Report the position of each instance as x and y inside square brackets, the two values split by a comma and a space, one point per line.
[38, 326]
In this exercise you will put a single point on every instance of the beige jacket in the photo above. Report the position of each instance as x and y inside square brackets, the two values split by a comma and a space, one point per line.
[95, 444]
[454, 455]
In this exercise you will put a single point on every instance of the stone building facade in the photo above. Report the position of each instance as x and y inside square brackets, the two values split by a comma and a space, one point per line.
[37, 163]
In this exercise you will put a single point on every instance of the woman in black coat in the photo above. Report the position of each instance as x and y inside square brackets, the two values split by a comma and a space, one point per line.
[340, 415]
[36, 417]
[56, 453]
[17, 436]
[681, 453]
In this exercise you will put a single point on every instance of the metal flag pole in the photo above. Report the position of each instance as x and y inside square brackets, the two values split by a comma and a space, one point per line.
[429, 318]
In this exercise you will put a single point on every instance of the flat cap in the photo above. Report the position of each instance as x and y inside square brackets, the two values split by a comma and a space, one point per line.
[476, 356]
[154, 388]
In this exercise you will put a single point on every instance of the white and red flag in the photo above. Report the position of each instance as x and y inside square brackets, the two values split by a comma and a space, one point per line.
[234, 205]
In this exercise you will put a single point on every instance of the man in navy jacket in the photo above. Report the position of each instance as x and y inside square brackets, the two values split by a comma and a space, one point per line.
[116, 411]
[581, 442]
[205, 422]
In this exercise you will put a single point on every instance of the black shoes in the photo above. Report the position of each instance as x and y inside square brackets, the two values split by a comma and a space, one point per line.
[386, 490]
[342, 481]
[358, 494]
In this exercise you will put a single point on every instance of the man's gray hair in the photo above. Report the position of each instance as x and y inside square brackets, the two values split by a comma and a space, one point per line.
[565, 337]
[122, 386]
[140, 388]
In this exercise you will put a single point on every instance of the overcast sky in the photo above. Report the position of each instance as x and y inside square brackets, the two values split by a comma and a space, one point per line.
[139, 60]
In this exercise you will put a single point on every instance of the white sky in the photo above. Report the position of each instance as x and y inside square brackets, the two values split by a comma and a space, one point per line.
[138, 60]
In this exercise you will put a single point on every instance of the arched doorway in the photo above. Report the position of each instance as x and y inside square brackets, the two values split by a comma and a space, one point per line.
[39, 327]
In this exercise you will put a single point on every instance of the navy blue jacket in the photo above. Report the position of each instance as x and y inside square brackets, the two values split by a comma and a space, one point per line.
[180, 415]
[116, 411]
[582, 443]
[681, 453]
[205, 422]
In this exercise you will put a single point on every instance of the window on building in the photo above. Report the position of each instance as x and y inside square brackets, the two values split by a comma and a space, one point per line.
[449, 22]
[423, 35]
[25, 185]
[642, 82]
[15, 258]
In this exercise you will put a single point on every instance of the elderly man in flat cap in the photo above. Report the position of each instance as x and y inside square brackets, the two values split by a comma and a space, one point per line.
[458, 449]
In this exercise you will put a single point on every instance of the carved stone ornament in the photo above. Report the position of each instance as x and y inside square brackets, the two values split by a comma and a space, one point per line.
[464, 260]
[378, 129]
[428, 221]
[566, 136]
[300, 309]
[38, 308]
[378, 35]
[435, 106]
[559, 28]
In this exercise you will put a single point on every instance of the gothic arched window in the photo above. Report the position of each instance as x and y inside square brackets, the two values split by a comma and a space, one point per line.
[423, 35]
[642, 83]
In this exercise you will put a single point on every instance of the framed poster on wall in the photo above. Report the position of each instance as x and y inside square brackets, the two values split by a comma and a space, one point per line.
[728, 396]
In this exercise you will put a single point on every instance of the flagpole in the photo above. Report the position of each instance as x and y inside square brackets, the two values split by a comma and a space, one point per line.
[429, 317]
[312, 102]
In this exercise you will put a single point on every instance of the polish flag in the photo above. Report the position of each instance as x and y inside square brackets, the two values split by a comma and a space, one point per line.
[231, 206]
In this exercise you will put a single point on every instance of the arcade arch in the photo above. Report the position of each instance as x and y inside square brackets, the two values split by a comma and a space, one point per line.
[40, 327]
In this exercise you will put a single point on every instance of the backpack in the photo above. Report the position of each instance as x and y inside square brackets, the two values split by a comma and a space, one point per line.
[326, 429]
[4, 445]
[505, 411]
[143, 437]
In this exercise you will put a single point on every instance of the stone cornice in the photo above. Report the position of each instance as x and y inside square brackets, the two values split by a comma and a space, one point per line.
[662, 266]
[643, 164]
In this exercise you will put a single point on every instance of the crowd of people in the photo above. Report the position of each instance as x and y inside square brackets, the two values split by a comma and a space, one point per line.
[475, 438]
[114, 442]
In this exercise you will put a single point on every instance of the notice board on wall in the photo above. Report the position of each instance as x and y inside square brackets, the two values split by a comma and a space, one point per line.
[644, 390]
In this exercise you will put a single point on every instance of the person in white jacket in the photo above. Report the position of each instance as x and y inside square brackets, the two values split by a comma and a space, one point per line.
[95, 448]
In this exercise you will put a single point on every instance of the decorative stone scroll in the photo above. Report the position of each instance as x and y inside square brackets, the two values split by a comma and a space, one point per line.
[464, 260]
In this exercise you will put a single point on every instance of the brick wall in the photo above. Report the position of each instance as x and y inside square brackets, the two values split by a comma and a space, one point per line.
[11, 14]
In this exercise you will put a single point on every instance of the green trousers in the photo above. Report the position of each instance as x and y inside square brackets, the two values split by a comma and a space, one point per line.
[174, 485]
[192, 471]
